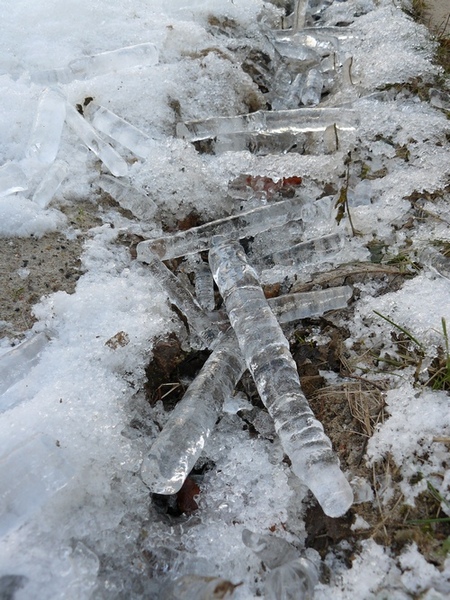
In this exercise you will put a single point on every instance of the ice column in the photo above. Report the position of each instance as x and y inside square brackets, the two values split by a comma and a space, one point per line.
[12, 179]
[50, 183]
[306, 252]
[237, 226]
[203, 282]
[94, 142]
[290, 576]
[15, 363]
[47, 127]
[128, 197]
[301, 6]
[180, 443]
[118, 129]
[312, 88]
[29, 475]
[267, 355]
[183, 299]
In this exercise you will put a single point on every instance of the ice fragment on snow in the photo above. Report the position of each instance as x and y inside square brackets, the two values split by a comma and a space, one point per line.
[197, 587]
[267, 355]
[237, 226]
[12, 179]
[180, 443]
[305, 252]
[50, 183]
[94, 142]
[312, 88]
[183, 299]
[47, 127]
[15, 363]
[203, 282]
[128, 197]
[29, 476]
[119, 130]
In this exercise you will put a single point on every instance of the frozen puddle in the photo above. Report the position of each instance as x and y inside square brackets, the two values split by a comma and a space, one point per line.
[303, 149]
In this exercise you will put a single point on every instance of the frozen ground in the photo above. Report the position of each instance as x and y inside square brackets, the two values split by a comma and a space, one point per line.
[76, 519]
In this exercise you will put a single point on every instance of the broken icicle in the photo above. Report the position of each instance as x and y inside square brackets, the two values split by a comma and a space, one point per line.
[128, 197]
[87, 67]
[237, 226]
[306, 252]
[267, 355]
[15, 363]
[290, 576]
[47, 127]
[94, 142]
[203, 282]
[301, 6]
[183, 300]
[297, 130]
[12, 179]
[119, 130]
[50, 183]
[179, 445]
[197, 587]
[312, 88]
[29, 475]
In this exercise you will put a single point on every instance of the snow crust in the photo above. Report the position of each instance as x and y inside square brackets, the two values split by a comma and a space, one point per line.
[84, 533]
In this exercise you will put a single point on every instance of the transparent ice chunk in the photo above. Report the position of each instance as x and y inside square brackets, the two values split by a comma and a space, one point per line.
[47, 127]
[305, 252]
[197, 318]
[300, 130]
[87, 67]
[50, 183]
[15, 363]
[119, 130]
[12, 179]
[94, 142]
[290, 576]
[301, 6]
[181, 442]
[237, 226]
[128, 197]
[312, 88]
[29, 476]
[267, 355]
[203, 282]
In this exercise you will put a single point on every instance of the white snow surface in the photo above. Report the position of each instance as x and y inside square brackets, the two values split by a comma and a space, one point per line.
[87, 528]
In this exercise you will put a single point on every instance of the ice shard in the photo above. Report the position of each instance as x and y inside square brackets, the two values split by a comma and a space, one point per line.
[197, 587]
[15, 363]
[47, 127]
[298, 130]
[110, 158]
[238, 226]
[50, 183]
[266, 353]
[201, 325]
[128, 197]
[301, 6]
[179, 445]
[312, 88]
[119, 130]
[203, 282]
[12, 179]
[87, 67]
[29, 475]
[306, 252]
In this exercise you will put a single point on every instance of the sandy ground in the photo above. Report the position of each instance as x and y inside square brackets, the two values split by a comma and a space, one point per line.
[439, 16]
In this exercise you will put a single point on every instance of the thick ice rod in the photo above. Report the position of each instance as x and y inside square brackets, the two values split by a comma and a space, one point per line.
[179, 445]
[268, 358]
[237, 226]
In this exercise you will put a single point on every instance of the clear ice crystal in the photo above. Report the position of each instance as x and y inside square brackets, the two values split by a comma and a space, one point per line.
[29, 475]
[183, 438]
[203, 282]
[119, 130]
[238, 226]
[15, 363]
[128, 197]
[46, 132]
[301, 6]
[87, 67]
[302, 130]
[306, 252]
[197, 318]
[312, 88]
[50, 183]
[197, 587]
[110, 158]
[268, 358]
[12, 179]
